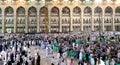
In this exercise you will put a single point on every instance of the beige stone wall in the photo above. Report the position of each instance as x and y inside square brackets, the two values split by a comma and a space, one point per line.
[59, 22]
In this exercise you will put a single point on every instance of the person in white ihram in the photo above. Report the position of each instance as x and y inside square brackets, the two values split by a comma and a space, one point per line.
[100, 62]
[47, 51]
[112, 62]
[92, 60]
[65, 57]
[53, 61]
[80, 56]
[118, 55]
[63, 62]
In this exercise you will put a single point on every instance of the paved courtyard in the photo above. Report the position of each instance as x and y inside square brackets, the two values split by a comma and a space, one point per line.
[44, 60]
[47, 60]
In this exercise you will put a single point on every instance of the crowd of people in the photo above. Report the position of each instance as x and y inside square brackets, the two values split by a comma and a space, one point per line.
[16, 49]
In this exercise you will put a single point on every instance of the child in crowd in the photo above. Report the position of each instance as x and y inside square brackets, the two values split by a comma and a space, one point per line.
[53, 61]
[71, 62]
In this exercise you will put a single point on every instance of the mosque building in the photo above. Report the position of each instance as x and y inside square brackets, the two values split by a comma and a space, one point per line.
[35, 16]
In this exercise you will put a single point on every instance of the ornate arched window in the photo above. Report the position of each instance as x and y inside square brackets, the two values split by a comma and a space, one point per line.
[43, 10]
[108, 10]
[20, 13]
[20, 10]
[76, 10]
[66, 11]
[55, 11]
[117, 10]
[32, 11]
[9, 10]
[98, 10]
[87, 10]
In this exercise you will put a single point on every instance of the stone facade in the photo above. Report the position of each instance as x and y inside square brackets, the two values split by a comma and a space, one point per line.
[63, 16]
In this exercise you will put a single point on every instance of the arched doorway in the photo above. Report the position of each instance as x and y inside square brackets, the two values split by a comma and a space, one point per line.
[117, 19]
[21, 20]
[42, 13]
[66, 19]
[9, 20]
[87, 19]
[108, 18]
[76, 19]
[55, 21]
[32, 20]
[97, 19]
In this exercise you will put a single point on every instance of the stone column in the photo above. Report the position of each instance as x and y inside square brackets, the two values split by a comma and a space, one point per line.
[15, 21]
[49, 23]
[38, 22]
[102, 21]
[60, 20]
[92, 20]
[3, 21]
[71, 17]
[113, 21]
[26, 21]
[81, 23]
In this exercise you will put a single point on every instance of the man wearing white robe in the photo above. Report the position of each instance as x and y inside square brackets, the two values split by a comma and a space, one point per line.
[47, 51]
[29, 42]
[107, 62]
[0, 57]
[33, 42]
[25, 48]
[58, 55]
[92, 61]
[73, 45]
[13, 49]
[80, 56]
[112, 62]
[101, 62]
[17, 57]
[85, 63]
[65, 56]
[29, 61]
[51, 50]
[118, 56]
[5, 59]
[63, 62]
